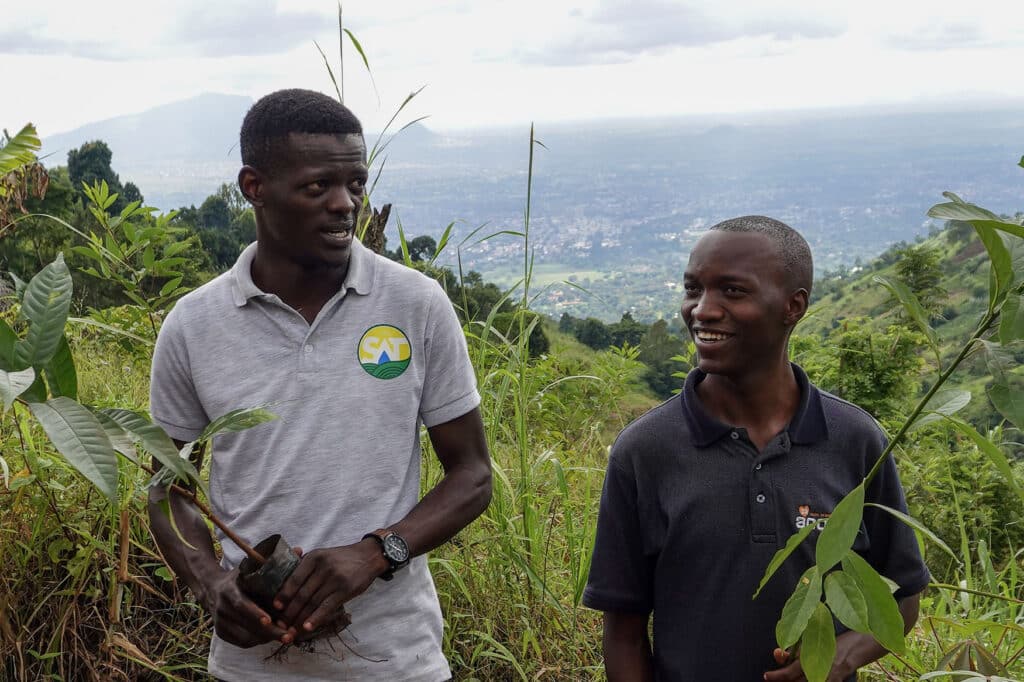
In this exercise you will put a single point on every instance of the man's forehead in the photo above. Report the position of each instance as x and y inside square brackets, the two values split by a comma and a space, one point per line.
[740, 251]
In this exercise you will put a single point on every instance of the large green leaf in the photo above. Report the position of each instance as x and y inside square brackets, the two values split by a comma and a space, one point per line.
[798, 609]
[1001, 275]
[791, 544]
[884, 617]
[155, 441]
[818, 646]
[45, 304]
[1009, 400]
[843, 596]
[958, 209]
[991, 450]
[944, 402]
[61, 376]
[1011, 319]
[20, 150]
[81, 439]
[919, 527]
[841, 530]
[12, 384]
[120, 439]
[236, 420]
[912, 306]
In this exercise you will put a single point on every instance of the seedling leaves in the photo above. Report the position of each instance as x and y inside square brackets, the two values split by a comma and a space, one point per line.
[1009, 400]
[45, 304]
[237, 420]
[60, 373]
[841, 530]
[884, 617]
[844, 598]
[818, 646]
[794, 541]
[155, 441]
[78, 435]
[798, 608]
[12, 384]
[958, 209]
[919, 527]
[120, 439]
[1011, 319]
[944, 402]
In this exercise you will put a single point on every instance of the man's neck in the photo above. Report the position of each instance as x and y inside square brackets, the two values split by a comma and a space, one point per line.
[761, 401]
[303, 288]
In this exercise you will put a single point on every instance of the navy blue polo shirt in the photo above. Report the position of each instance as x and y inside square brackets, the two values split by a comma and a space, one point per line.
[692, 512]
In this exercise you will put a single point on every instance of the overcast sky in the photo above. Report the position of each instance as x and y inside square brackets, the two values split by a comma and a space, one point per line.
[64, 63]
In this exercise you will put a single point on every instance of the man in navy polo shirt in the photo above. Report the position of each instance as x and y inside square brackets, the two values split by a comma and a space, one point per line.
[702, 490]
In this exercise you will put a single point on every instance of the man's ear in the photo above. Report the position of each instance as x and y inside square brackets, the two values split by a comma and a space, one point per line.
[796, 306]
[250, 182]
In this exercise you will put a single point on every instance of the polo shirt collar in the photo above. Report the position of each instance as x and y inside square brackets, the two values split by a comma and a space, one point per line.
[361, 270]
[807, 426]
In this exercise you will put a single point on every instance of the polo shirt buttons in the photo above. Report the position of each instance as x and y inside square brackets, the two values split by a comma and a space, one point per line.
[308, 348]
[757, 467]
[735, 435]
[760, 498]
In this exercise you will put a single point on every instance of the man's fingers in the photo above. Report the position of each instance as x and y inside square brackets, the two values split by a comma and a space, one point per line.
[298, 551]
[292, 585]
[791, 673]
[781, 656]
[323, 613]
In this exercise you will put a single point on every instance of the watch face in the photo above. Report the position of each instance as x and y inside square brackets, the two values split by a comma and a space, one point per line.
[395, 548]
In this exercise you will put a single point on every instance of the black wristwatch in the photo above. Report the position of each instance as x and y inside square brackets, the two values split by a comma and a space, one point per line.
[396, 551]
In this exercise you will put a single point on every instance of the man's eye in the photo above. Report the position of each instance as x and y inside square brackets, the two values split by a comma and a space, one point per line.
[317, 186]
[734, 291]
[358, 185]
[691, 289]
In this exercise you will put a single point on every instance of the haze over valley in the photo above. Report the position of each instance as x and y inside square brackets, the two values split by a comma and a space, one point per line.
[617, 204]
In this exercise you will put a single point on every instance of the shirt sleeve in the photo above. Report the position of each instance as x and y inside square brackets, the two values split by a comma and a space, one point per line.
[173, 401]
[449, 386]
[621, 576]
[893, 550]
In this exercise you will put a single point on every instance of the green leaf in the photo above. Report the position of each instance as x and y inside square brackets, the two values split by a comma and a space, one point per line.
[1009, 400]
[120, 439]
[843, 596]
[78, 435]
[818, 646]
[45, 305]
[165, 506]
[61, 376]
[13, 384]
[1000, 362]
[919, 527]
[992, 451]
[170, 286]
[944, 402]
[884, 617]
[8, 339]
[36, 393]
[1001, 278]
[236, 420]
[841, 530]
[958, 209]
[791, 544]
[20, 150]
[909, 301]
[798, 609]
[1021, 164]
[155, 441]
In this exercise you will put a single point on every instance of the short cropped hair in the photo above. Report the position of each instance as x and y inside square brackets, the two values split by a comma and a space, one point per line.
[791, 246]
[274, 116]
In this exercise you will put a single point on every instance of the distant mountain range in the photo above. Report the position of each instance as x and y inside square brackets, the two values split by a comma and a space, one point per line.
[616, 204]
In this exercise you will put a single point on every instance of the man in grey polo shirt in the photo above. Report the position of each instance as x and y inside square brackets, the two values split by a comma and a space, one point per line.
[352, 352]
[702, 490]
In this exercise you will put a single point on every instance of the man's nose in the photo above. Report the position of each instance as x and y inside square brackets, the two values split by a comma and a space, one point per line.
[342, 201]
[706, 308]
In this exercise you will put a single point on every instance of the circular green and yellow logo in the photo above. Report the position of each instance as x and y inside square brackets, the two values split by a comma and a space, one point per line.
[384, 351]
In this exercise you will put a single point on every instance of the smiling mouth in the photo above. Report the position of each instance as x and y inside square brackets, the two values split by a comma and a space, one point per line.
[709, 336]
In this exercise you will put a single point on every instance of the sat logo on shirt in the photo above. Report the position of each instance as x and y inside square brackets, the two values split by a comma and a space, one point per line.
[806, 517]
[384, 351]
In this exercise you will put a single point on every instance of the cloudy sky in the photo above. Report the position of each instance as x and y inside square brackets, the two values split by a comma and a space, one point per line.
[488, 63]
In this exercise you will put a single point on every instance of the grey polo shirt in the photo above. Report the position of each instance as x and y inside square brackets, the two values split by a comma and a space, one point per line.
[692, 512]
[384, 355]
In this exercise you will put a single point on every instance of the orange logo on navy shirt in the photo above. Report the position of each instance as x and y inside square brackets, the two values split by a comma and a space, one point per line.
[806, 517]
